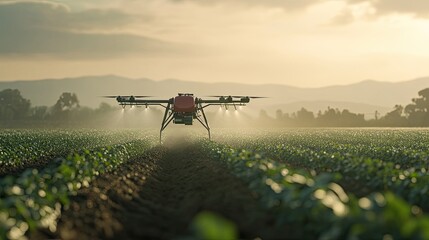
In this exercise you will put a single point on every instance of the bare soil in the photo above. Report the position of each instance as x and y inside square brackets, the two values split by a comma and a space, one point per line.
[157, 196]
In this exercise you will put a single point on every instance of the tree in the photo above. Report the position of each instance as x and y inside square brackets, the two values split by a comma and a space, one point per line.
[39, 112]
[105, 108]
[66, 102]
[263, 115]
[304, 117]
[12, 105]
[279, 114]
[418, 111]
[424, 94]
[329, 117]
[64, 105]
[352, 119]
[395, 117]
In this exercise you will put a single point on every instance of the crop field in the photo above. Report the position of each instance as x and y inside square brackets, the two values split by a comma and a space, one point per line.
[244, 184]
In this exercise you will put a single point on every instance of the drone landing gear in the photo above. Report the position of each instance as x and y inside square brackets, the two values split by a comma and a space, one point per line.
[168, 117]
[205, 123]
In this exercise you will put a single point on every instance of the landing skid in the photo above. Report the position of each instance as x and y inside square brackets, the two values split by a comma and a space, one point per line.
[169, 116]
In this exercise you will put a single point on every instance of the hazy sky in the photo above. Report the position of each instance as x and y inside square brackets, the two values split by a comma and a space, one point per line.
[294, 42]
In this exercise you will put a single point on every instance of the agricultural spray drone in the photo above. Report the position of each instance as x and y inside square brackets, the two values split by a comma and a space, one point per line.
[184, 108]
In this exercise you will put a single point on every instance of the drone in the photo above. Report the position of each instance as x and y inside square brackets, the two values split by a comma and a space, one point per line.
[184, 108]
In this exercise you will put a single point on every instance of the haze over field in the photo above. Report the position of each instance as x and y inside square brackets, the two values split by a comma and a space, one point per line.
[214, 119]
[303, 43]
[364, 97]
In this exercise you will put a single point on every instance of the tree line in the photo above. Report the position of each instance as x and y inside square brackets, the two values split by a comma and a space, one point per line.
[16, 111]
[415, 114]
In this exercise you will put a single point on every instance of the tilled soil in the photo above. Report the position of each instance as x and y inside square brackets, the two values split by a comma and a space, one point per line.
[156, 197]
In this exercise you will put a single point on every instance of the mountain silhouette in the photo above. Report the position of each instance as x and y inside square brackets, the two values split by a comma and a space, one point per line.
[365, 96]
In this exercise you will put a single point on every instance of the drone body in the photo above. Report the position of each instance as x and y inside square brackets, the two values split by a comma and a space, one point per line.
[183, 108]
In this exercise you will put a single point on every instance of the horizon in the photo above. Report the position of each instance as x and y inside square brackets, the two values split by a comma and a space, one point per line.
[296, 43]
[220, 82]
[362, 97]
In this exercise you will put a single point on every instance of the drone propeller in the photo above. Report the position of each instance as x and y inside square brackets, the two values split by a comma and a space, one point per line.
[237, 96]
[138, 96]
[109, 96]
[216, 96]
[248, 97]
[142, 96]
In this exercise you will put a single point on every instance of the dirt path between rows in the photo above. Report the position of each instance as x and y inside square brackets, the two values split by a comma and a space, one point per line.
[157, 196]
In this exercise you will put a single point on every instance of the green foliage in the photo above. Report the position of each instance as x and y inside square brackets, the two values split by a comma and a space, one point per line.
[301, 177]
[66, 102]
[418, 111]
[12, 105]
[20, 147]
[312, 200]
[376, 160]
[35, 198]
[210, 226]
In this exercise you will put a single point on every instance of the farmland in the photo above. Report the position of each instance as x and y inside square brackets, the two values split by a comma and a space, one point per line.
[293, 183]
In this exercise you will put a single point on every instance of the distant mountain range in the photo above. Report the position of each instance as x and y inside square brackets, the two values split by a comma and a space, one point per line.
[364, 97]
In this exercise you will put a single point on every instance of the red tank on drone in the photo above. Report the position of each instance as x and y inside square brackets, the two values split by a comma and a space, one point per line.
[184, 107]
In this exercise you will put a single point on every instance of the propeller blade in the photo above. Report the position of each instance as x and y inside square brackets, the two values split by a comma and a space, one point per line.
[138, 96]
[216, 96]
[236, 96]
[225, 96]
[141, 96]
[248, 97]
[256, 97]
[109, 96]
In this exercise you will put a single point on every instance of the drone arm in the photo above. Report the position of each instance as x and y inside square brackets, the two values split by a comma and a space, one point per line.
[138, 102]
[228, 101]
[224, 104]
[217, 102]
[141, 104]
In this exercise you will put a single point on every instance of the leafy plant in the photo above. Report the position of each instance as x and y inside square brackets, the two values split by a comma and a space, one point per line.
[318, 206]
[35, 198]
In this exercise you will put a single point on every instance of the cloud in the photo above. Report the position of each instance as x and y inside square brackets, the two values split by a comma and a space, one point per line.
[58, 16]
[373, 9]
[344, 18]
[285, 4]
[52, 29]
[418, 8]
[78, 45]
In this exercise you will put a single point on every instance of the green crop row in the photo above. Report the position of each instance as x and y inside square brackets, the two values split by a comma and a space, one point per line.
[35, 198]
[405, 147]
[375, 174]
[316, 207]
[374, 160]
[18, 148]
